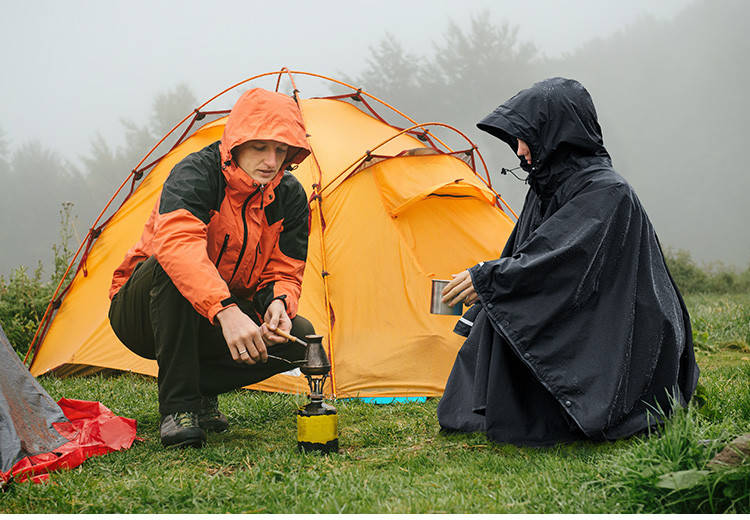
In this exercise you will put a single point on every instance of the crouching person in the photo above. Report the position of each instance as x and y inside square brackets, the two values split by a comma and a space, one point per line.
[218, 268]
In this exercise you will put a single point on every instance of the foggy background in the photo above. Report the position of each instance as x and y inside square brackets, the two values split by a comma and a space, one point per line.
[88, 87]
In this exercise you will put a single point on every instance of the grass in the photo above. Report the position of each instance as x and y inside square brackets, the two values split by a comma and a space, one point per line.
[720, 321]
[393, 459]
[667, 473]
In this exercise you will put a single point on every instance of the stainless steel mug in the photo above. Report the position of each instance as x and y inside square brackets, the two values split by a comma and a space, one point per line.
[437, 306]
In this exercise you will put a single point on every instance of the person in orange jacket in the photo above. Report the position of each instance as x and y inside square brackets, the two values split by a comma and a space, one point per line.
[218, 268]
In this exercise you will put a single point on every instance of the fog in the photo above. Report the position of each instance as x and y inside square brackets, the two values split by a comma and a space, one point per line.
[72, 71]
[75, 68]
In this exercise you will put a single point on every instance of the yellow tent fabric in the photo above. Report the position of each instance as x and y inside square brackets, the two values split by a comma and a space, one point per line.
[378, 235]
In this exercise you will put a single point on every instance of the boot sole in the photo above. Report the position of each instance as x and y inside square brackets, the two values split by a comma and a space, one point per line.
[187, 443]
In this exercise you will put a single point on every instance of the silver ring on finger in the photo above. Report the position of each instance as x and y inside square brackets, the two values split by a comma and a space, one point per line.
[242, 352]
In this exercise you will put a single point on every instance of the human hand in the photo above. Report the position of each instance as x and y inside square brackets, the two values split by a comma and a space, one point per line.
[460, 289]
[244, 338]
[275, 318]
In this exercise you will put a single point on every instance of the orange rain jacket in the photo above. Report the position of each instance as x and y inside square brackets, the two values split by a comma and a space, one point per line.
[217, 233]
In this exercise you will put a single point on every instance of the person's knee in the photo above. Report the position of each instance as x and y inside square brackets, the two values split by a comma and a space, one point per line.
[129, 312]
[115, 318]
[302, 327]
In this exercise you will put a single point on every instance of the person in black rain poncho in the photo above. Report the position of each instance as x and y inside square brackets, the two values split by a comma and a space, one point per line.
[577, 331]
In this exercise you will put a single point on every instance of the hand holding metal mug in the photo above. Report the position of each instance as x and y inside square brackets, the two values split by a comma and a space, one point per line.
[437, 306]
[460, 289]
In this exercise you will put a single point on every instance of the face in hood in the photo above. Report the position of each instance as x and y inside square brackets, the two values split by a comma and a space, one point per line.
[269, 116]
[555, 117]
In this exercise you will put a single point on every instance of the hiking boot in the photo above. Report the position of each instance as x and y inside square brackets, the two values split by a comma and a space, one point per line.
[209, 416]
[181, 429]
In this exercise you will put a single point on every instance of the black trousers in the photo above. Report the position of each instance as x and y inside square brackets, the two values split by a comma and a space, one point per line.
[152, 318]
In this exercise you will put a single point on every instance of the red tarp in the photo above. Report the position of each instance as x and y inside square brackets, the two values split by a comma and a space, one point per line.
[93, 430]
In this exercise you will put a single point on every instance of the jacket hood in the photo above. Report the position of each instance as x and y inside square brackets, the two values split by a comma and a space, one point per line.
[557, 120]
[261, 114]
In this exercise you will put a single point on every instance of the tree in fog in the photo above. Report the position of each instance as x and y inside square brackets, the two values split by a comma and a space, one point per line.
[105, 166]
[36, 181]
[465, 74]
[6, 196]
[3, 151]
[35, 185]
[477, 67]
[170, 107]
[391, 74]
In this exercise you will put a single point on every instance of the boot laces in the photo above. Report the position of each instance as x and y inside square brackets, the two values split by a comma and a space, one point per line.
[186, 419]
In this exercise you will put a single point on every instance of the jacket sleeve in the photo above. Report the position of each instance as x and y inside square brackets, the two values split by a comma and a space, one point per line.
[282, 274]
[181, 230]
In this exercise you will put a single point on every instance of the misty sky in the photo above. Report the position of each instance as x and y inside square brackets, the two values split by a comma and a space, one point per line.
[74, 68]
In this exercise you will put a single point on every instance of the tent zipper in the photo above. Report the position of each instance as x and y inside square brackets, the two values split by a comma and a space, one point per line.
[244, 234]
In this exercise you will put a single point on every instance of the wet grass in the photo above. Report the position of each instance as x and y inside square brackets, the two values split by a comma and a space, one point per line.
[393, 459]
[720, 321]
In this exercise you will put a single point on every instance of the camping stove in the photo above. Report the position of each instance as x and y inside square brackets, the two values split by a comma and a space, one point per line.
[317, 422]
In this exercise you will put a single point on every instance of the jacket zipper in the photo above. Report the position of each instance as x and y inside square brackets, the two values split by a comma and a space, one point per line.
[257, 253]
[244, 234]
[223, 248]
[257, 247]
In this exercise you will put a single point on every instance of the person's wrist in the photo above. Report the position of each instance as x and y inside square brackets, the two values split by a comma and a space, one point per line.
[281, 298]
[226, 311]
[278, 305]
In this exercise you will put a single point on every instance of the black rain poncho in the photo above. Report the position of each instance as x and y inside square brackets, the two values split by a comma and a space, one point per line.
[580, 331]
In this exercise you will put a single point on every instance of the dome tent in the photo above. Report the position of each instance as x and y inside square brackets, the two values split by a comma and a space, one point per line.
[390, 209]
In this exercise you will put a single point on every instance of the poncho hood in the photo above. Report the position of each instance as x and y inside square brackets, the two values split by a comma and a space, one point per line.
[557, 120]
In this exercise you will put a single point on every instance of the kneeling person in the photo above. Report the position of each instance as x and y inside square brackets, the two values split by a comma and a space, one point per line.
[218, 268]
[577, 331]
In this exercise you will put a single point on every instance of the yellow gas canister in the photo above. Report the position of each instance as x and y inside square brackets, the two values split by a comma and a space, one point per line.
[317, 428]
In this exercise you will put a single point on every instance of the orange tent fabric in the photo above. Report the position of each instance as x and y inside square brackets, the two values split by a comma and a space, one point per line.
[381, 228]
